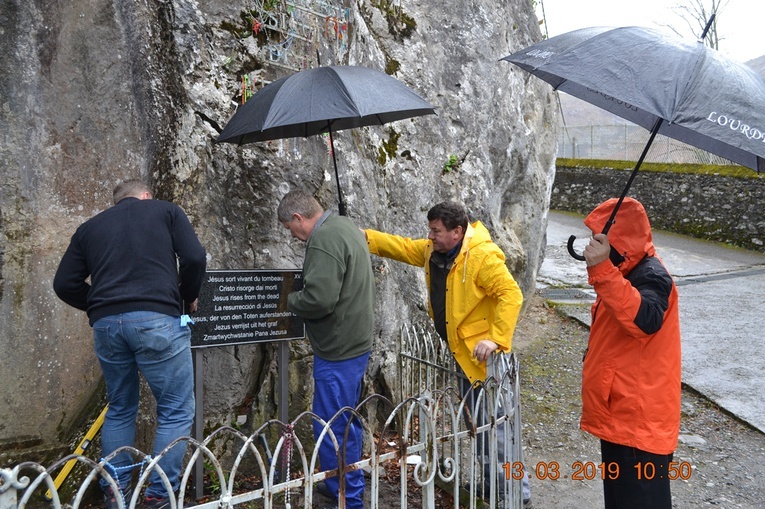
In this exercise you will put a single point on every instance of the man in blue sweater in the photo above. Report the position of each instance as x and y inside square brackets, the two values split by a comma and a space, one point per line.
[143, 260]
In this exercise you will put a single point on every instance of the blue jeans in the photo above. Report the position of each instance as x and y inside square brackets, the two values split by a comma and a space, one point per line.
[337, 384]
[160, 348]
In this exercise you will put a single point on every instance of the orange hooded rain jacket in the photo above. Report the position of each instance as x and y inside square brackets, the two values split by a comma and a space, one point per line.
[631, 372]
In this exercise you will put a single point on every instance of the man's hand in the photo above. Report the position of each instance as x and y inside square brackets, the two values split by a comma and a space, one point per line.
[193, 306]
[484, 349]
[597, 250]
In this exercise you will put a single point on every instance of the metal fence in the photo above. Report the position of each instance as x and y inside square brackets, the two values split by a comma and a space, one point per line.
[490, 463]
[626, 143]
[444, 445]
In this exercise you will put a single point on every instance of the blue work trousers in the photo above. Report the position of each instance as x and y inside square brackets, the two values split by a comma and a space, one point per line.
[337, 384]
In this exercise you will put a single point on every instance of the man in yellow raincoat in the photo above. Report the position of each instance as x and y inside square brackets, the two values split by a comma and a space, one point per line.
[473, 299]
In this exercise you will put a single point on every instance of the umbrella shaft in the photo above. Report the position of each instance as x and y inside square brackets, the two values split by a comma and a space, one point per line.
[340, 202]
[654, 132]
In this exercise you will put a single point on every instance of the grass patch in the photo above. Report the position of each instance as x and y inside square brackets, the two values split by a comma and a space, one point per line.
[735, 171]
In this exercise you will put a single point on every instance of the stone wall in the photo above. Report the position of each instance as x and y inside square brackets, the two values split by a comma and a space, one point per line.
[713, 207]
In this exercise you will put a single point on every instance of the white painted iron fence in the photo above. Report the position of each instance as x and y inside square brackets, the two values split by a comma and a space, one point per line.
[445, 445]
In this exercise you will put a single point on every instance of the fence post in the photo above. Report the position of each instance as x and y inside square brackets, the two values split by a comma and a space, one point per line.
[625, 142]
[8, 487]
[429, 489]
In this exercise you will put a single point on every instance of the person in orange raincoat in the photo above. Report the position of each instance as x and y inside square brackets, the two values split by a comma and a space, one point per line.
[631, 373]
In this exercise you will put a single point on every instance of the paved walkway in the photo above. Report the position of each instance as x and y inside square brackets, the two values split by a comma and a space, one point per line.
[722, 295]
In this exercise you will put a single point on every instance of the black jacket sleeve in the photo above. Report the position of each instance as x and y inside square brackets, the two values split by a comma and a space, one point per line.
[70, 281]
[192, 258]
[654, 283]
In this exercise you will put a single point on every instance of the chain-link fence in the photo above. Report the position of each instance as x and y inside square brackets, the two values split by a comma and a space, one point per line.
[626, 143]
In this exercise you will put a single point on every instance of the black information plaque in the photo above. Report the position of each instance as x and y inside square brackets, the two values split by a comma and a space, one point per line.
[246, 306]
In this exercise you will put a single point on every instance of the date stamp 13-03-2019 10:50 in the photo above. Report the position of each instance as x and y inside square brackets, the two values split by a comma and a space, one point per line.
[589, 470]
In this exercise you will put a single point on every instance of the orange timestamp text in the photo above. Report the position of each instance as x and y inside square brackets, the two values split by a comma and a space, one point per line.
[589, 470]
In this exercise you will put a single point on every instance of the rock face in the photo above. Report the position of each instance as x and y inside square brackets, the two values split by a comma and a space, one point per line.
[96, 91]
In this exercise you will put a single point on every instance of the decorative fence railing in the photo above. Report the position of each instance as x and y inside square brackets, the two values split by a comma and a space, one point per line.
[626, 143]
[446, 446]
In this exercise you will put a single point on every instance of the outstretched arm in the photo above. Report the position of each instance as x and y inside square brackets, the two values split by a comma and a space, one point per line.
[402, 249]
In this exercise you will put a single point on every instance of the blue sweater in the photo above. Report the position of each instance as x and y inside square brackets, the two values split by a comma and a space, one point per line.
[141, 255]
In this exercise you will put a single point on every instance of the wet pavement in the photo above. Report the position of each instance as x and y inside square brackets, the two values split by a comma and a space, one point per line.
[722, 293]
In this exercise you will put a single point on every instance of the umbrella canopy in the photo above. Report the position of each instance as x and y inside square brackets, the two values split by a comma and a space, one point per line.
[643, 75]
[322, 100]
[680, 89]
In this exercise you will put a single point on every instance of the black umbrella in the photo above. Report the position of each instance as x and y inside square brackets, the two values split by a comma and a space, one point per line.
[322, 100]
[680, 89]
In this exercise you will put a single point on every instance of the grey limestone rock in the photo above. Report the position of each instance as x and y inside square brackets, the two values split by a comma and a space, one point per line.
[93, 92]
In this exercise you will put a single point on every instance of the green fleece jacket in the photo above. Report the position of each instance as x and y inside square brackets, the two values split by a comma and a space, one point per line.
[338, 296]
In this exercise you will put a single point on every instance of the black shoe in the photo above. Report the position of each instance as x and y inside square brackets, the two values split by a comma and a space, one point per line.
[110, 497]
[321, 489]
[156, 502]
[528, 504]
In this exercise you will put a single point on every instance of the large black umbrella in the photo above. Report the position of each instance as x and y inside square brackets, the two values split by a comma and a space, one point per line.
[323, 100]
[677, 88]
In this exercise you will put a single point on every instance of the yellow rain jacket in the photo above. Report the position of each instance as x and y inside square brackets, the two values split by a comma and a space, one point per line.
[482, 298]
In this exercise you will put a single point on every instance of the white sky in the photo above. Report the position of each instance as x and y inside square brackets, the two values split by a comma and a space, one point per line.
[739, 23]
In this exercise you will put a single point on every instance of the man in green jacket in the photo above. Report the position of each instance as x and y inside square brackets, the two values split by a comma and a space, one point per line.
[337, 303]
[472, 297]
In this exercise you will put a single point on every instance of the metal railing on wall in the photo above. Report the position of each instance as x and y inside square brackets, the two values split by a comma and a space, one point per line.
[626, 143]
[446, 444]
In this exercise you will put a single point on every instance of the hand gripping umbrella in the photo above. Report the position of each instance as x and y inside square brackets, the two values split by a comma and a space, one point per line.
[680, 89]
[323, 100]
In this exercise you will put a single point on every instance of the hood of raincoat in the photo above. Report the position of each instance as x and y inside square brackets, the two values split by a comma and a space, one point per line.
[630, 234]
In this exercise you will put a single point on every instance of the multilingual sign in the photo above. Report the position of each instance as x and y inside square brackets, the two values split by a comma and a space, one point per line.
[246, 306]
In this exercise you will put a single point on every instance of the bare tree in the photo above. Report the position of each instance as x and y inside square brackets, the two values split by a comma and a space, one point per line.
[696, 14]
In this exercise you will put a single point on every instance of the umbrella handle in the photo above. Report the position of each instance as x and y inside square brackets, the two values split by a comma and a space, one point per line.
[571, 251]
[611, 220]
